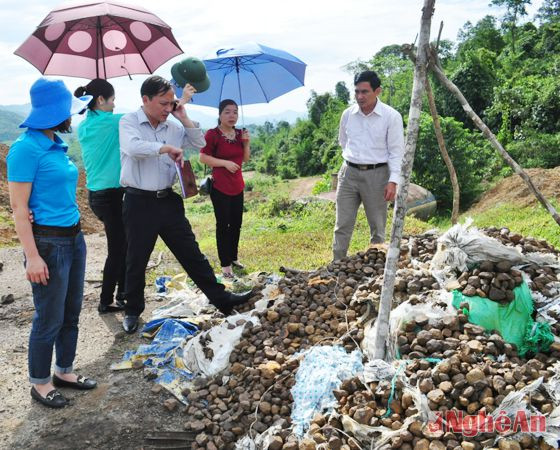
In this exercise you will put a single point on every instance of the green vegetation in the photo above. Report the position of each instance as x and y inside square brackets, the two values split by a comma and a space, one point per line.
[509, 72]
[280, 232]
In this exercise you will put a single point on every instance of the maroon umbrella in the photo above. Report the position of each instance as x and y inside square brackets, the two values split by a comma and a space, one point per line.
[99, 40]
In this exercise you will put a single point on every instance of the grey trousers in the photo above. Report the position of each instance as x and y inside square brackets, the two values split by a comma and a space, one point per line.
[355, 186]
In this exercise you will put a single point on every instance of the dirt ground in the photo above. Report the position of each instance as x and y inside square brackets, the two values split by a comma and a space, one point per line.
[116, 415]
[514, 190]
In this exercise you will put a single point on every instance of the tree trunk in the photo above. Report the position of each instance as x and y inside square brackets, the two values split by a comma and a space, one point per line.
[382, 325]
[438, 71]
[443, 151]
[408, 50]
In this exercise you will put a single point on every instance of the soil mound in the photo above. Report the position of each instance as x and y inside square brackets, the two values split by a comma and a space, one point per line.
[514, 190]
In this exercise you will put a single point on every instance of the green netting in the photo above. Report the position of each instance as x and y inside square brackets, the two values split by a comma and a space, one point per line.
[513, 320]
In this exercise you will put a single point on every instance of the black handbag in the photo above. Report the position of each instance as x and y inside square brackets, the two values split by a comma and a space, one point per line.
[207, 182]
[205, 187]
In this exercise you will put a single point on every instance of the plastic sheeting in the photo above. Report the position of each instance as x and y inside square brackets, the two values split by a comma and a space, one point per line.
[323, 369]
[221, 339]
[163, 356]
[185, 302]
[464, 245]
[403, 313]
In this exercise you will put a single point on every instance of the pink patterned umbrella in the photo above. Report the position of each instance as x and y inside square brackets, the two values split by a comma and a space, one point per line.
[99, 40]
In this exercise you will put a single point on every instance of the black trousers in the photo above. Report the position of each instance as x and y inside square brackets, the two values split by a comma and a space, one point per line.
[107, 206]
[146, 218]
[228, 210]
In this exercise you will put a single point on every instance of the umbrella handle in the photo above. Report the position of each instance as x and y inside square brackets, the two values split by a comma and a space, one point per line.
[239, 88]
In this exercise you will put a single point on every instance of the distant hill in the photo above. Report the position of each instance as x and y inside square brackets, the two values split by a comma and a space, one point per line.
[22, 110]
[210, 121]
[9, 125]
[12, 115]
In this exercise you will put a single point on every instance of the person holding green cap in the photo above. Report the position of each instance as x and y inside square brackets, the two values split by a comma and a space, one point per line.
[191, 71]
[151, 148]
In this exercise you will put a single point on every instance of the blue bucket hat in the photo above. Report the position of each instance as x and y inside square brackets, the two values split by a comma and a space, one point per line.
[51, 104]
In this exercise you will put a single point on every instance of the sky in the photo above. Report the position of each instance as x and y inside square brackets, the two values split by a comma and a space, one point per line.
[325, 34]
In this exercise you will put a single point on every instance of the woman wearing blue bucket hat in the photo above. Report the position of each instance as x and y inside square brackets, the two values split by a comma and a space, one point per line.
[42, 179]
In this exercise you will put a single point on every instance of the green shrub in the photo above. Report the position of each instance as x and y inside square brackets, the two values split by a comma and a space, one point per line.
[323, 185]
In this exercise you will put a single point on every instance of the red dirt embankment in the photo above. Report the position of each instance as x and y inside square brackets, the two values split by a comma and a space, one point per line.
[513, 189]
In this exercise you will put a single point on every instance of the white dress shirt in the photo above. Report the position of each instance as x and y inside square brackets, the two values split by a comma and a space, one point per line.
[374, 138]
[142, 166]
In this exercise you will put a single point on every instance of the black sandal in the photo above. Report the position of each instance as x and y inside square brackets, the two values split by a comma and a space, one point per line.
[54, 398]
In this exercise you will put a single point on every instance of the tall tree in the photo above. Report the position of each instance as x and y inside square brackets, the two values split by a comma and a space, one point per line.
[485, 34]
[317, 105]
[341, 92]
[549, 11]
[515, 9]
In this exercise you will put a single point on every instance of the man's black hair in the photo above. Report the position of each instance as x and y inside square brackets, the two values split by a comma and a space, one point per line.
[154, 85]
[368, 76]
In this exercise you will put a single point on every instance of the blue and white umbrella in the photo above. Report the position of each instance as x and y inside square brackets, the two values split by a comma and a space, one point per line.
[248, 74]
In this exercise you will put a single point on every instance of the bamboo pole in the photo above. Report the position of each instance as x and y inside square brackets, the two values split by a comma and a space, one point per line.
[438, 71]
[418, 86]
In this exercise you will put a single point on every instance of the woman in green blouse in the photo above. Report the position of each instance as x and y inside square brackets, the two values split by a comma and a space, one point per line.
[99, 139]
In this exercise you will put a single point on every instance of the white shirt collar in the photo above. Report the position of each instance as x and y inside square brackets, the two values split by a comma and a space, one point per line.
[143, 118]
[378, 109]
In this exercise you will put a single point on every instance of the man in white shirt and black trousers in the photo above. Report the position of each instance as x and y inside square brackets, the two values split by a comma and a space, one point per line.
[372, 139]
[150, 147]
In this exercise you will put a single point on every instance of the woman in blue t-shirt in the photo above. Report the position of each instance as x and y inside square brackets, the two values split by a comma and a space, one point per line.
[42, 179]
[99, 139]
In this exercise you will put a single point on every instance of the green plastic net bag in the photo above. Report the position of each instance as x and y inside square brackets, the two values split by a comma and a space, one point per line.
[513, 321]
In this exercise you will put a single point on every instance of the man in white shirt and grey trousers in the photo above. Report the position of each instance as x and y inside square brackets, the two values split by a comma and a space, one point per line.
[372, 139]
[151, 145]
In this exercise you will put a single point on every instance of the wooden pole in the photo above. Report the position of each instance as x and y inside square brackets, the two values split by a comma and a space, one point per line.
[408, 50]
[444, 153]
[438, 71]
[418, 86]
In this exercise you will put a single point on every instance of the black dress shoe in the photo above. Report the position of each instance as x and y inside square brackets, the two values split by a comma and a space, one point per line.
[115, 307]
[130, 324]
[234, 300]
[54, 399]
[82, 383]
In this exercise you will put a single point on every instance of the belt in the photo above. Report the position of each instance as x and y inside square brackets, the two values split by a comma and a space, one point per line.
[366, 166]
[47, 230]
[118, 190]
[153, 194]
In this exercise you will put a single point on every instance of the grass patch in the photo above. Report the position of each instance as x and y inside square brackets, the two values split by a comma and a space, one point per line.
[532, 221]
[278, 233]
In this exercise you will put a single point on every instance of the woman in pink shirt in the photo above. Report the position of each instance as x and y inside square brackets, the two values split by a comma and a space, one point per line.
[227, 148]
